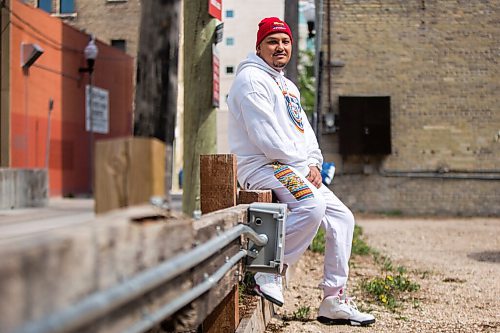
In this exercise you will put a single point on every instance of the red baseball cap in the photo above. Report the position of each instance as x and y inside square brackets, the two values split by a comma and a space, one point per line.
[272, 25]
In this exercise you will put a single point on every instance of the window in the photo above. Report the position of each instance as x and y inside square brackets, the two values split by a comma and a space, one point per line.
[229, 70]
[45, 5]
[229, 41]
[64, 7]
[67, 7]
[229, 13]
[120, 44]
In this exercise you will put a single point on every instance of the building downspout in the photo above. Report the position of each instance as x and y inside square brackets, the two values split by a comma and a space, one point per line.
[329, 54]
[318, 63]
[4, 84]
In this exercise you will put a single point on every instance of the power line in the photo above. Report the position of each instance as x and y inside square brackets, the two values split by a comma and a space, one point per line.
[50, 41]
[56, 44]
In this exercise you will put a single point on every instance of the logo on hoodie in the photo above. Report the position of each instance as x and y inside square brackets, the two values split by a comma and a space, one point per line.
[294, 110]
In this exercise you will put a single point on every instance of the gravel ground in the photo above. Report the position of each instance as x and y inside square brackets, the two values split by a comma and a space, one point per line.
[456, 261]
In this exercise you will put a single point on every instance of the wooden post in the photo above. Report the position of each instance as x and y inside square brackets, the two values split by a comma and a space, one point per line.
[219, 190]
[128, 171]
[199, 113]
[218, 184]
[226, 316]
[156, 89]
[249, 196]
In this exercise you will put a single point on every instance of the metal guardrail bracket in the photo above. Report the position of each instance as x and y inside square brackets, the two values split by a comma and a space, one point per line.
[267, 219]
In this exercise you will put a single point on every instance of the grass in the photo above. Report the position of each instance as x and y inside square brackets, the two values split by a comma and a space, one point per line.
[318, 243]
[359, 246]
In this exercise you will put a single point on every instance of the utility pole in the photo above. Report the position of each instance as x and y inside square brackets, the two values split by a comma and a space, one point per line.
[156, 89]
[199, 113]
[292, 18]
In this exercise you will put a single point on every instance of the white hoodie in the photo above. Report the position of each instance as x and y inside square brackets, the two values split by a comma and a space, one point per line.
[262, 129]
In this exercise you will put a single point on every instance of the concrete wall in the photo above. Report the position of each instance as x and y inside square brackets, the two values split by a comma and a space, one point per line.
[23, 188]
[438, 62]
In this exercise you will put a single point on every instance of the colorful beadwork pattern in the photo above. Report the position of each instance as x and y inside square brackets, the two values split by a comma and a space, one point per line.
[292, 182]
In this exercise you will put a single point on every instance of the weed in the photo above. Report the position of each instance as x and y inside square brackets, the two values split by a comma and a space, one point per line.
[416, 303]
[425, 274]
[246, 286]
[384, 262]
[302, 313]
[388, 289]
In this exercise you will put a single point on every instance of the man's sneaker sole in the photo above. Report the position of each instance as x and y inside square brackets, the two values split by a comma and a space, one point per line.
[329, 321]
[269, 298]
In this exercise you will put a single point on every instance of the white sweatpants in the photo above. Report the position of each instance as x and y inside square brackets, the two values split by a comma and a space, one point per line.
[309, 208]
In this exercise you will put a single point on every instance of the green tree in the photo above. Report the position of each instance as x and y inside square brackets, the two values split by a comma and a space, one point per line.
[307, 81]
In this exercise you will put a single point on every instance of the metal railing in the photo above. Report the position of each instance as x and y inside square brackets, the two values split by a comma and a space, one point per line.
[101, 303]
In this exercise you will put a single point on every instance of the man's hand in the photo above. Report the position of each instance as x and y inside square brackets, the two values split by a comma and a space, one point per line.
[314, 176]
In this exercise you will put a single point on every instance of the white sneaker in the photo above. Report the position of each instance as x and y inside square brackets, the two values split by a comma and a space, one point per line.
[334, 311]
[270, 287]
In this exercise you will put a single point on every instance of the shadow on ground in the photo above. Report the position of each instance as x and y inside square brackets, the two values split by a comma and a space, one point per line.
[487, 256]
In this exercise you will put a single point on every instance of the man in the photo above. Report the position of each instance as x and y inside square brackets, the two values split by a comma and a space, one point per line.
[277, 149]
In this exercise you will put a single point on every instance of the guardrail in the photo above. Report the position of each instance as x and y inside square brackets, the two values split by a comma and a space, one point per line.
[132, 269]
[99, 304]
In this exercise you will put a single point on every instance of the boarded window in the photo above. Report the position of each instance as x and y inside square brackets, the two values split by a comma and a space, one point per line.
[365, 125]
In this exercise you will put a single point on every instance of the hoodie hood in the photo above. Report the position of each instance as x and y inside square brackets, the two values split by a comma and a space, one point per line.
[254, 60]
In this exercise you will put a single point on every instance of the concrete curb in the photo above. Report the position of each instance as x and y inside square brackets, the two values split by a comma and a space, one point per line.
[23, 188]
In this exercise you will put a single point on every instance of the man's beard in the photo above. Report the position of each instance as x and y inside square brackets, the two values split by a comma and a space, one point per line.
[279, 65]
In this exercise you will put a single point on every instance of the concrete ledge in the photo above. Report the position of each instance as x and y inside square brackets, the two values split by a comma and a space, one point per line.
[23, 188]
[258, 319]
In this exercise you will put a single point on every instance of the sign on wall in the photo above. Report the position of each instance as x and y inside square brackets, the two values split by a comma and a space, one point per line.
[98, 102]
[215, 8]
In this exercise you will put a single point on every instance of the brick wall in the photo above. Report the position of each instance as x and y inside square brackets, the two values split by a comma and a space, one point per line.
[106, 19]
[438, 60]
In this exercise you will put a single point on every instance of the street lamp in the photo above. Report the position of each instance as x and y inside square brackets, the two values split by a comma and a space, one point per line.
[90, 54]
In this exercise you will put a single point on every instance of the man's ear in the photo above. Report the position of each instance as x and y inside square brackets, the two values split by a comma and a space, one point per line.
[258, 49]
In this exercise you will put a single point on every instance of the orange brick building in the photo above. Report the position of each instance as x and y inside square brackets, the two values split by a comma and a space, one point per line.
[43, 108]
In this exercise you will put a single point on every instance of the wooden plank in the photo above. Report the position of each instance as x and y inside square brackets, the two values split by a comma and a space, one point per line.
[128, 171]
[258, 319]
[37, 269]
[209, 226]
[218, 184]
[249, 196]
